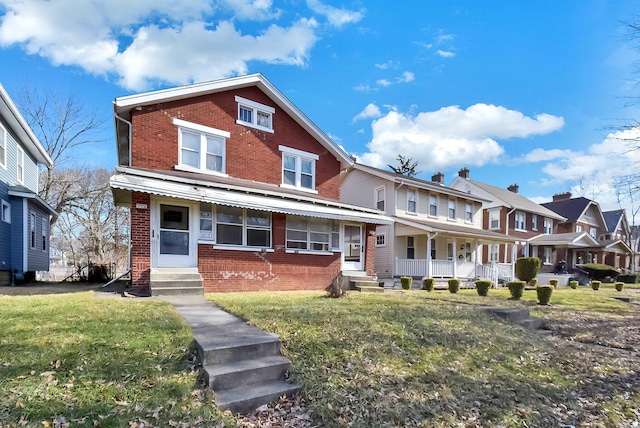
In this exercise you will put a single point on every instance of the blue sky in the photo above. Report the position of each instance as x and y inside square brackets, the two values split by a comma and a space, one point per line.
[527, 92]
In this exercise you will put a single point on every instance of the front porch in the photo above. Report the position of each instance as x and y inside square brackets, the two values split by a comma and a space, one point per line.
[419, 268]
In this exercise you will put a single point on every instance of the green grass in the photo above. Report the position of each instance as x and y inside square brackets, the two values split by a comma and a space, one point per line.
[381, 360]
[97, 362]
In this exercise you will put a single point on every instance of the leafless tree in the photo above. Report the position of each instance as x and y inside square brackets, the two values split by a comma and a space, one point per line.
[406, 166]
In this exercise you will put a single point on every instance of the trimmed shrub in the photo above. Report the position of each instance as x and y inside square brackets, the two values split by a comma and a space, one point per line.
[428, 284]
[629, 279]
[573, 284]
[544, 293]
[516, 288]
[454, 285]
[533, 282]
[599, 271]
[527, 268]
[553, 282]
[406, 282]
[619, 286]
[483, 286]
[596, 284]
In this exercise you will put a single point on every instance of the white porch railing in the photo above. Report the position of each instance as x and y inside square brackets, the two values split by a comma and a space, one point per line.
[451, 268]
[412, 267]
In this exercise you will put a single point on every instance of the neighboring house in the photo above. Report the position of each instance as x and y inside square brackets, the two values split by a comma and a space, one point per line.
[509, 213]
[587, 236]
[232, 188]
[24, 216]
[437, 230]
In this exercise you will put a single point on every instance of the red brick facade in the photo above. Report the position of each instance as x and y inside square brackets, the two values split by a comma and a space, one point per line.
[140, 241]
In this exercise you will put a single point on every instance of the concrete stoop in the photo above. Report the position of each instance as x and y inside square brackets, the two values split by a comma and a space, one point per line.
[517, 316]
[176, 282]
[240, 362]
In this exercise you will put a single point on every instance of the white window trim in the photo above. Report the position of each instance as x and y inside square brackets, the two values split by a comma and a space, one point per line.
[20, 162]
[544, 225]
[544, 255]
[497, 214]
[3, 142]
[383, 235]
[524, 221]
[32, 230]
[468, 209]
[415, 201]
[202, 130]
[299, 155]
[45, 239]
[331, 250]
[435, 197]
[534, 222]
[384, 197]
[255, 107]
[455, 213]
[245, 228]
[6, 205]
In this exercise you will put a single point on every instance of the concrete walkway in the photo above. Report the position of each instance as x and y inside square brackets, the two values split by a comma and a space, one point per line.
[241, 363]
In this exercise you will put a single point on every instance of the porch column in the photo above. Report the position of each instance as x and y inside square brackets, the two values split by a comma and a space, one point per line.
[455, 258]
[428, 256]
[475, 259]
[514, 252]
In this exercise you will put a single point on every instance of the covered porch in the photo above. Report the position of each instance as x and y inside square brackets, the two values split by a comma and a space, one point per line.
[431, 249]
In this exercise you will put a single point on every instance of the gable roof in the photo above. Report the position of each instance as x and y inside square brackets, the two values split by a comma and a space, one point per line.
[122, 107]
[515, 200]
[613, 219]
[21, 129]
[569, 240]
[573, 208]
[416, 182]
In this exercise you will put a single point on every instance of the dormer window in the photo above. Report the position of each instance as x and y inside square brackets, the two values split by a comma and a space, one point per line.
[298, 169]
[201, 148]
[255, 115]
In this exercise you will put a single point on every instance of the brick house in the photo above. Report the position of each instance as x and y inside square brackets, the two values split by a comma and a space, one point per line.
[232, 188]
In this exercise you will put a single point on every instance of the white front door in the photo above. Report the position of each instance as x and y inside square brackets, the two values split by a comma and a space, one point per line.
[352, 248]
[173, 234]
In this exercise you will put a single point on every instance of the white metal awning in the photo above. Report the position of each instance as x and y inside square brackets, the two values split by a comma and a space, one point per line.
[284, 205]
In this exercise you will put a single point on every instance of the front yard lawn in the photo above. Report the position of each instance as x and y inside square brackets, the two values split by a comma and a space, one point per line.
[421, 359]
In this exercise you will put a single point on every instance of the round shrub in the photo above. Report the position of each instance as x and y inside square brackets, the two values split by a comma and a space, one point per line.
[516, 288]
[619, 286]
[454, 285]
[533, 282]
[596, 284]
[428, 284]
[553, 282]
[483, 286]
[527, 268]
[406, 282]
[573, 284]
[544, 293]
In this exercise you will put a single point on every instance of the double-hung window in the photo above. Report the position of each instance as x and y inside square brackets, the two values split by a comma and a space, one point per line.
[255, 115]
[468, 214]
[546, 255]
[493, 252]
[312, 234]
[433, 205]
[298, 169]
[494, 219]
[240, 227]
[32, 230]
[380, 196]
[521, 221]
[3, 146]
[45, 228]
[534, 222]
[6, 212]
[548, 226]
[411, 201]
[20, 165]
[201, 148]
[452, 209]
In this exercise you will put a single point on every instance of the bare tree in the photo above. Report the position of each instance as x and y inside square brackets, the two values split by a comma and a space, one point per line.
[406, 166]
[62, 124]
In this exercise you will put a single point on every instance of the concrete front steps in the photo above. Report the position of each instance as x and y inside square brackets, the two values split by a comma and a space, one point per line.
[517, 316]
[353, 280]
[243, 365]
[175, 282]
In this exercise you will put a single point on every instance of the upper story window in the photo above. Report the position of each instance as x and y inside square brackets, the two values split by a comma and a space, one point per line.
[5, 214]
[521, 221]
[298, 169]
[534, 222]
[548, 226]
[578, 228]
[255, 115]
[380, 196]
[452, 209]
[20, 165]
[201, 148]
[411, 201]
[3, 146]
[468, 213]
[494, 219]
[593, 232]
[433, 205]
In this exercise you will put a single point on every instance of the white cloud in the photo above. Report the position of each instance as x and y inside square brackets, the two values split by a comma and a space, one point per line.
[144, 42]
[445, 54]
[451, 136]
[386, 65]
[383, 82]
[542, 155]
[406, 77]
[337, 17]
[369, 112]
[364, 88]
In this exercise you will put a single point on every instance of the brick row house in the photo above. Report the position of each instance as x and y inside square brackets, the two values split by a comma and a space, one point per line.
[436, 232]
[232, 188]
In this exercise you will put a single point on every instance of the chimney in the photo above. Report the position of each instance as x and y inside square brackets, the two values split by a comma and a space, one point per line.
[513, 188]
[438, 178]
[562, 196]
[464, 173]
